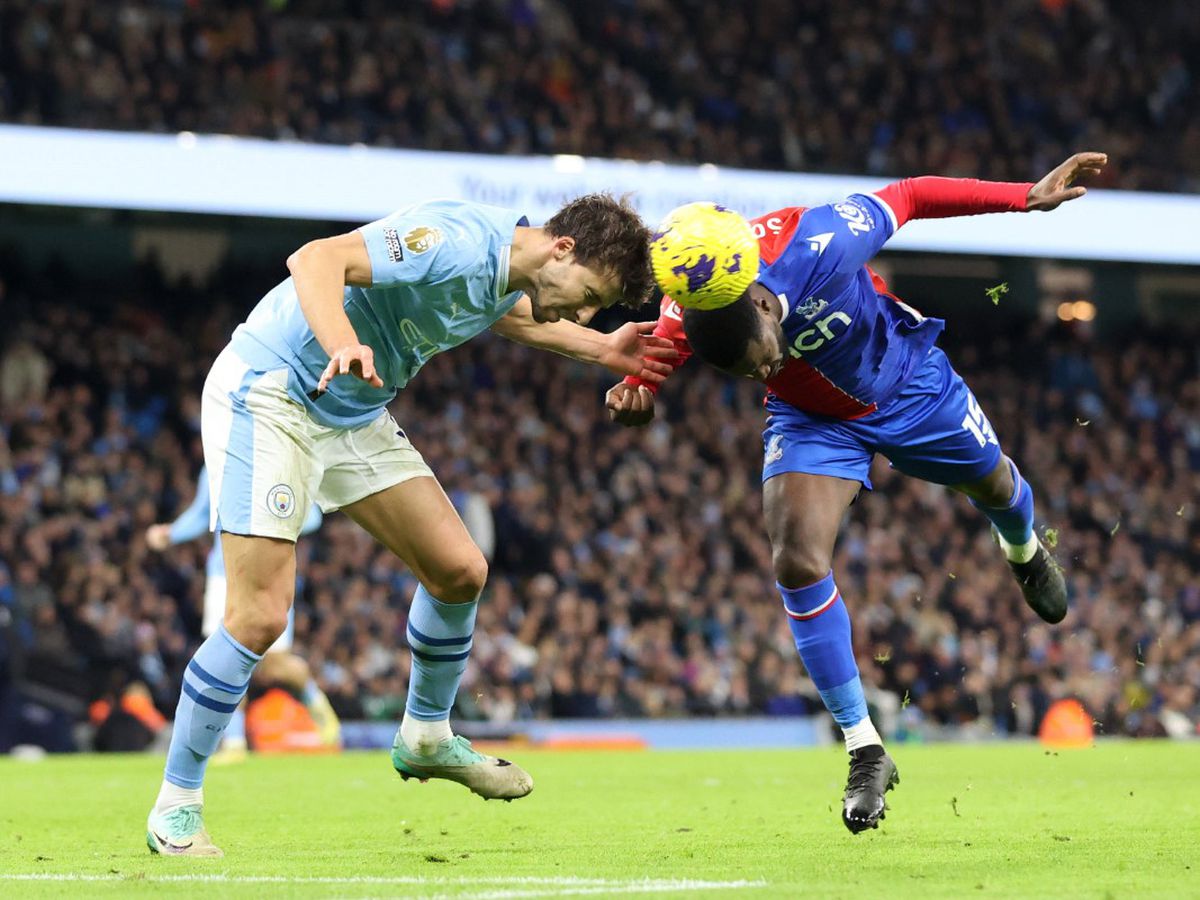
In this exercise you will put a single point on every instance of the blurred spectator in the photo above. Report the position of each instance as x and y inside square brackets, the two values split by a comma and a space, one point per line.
[630, 574]
[889, 87]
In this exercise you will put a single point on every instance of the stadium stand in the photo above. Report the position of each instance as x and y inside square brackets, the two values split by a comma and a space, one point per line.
[993, 90]
[630, 572]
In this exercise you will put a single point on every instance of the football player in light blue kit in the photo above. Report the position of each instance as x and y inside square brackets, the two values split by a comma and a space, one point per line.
[294, 411]
[191, 524]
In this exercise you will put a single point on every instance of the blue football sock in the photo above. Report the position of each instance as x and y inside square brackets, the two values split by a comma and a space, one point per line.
[439, 635]
[821, 626]
[1014, 521]
[213, 685]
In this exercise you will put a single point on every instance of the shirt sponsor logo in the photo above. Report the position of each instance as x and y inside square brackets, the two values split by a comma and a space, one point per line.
[422, 239]
[391, 240]
[820, 334]
[858, 218]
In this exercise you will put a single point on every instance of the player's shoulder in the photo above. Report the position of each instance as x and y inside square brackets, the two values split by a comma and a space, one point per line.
[774, 231]
[454, 234]
[856, 215]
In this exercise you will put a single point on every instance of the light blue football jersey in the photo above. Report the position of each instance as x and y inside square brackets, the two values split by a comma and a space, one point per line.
[439, 273]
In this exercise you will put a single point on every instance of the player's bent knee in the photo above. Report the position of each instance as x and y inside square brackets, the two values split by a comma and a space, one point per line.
[797, 568]
[259, 624]
[462, 581]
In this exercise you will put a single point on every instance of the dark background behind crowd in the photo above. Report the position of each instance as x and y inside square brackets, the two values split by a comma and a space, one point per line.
[890, 87]
[630, 571]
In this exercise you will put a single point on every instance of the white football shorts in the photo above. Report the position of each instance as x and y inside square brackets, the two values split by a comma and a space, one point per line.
[268, 460]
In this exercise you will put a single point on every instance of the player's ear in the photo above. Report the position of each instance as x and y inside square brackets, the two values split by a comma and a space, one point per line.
[564, 245]
[760, 297]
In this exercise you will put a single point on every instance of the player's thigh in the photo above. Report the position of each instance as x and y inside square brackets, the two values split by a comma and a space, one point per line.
[812, 470]
[416, 521]
[381, 481]
[260, 577]
[803, 515]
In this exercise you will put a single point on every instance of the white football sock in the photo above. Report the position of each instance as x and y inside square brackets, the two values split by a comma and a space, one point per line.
[861, 735]
[1019, 553]
[172, 797]
[422, 737]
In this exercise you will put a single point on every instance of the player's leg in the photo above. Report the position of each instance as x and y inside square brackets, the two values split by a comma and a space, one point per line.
[260, 580]
[812, 472]
[232, 748]
[381, 482]
[416, 521]
[1007, 500]
[261, 472]
[937, 431]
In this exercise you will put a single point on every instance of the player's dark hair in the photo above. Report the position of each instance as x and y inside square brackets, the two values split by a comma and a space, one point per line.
[609, 236]
[721, 337]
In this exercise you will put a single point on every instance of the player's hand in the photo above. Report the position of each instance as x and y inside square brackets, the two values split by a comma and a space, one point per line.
[629, 405]
[1055, 188]
[158, 537]
[633, 350]
[355, 359]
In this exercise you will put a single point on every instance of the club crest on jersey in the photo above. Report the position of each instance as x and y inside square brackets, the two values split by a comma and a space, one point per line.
[391, 240]
[281, 501]
[811, 307]
[422, 239]
[774, 449]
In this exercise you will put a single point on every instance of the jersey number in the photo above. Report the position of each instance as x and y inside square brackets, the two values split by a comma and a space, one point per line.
[976, 423]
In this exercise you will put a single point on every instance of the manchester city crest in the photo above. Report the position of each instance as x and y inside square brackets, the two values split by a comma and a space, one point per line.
[281, 500]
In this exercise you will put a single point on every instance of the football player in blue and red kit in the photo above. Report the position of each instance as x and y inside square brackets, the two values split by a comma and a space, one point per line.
[852, 371]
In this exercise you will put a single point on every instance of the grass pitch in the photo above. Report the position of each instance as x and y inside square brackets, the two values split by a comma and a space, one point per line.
[1005, 820]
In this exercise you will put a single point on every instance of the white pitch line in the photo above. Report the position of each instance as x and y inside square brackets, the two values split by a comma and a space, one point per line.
[629, 888]
[558, 886]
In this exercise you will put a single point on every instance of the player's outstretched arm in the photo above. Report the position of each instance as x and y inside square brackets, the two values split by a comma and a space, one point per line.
[1056, 188]
[320, 271]
[630, 350]
[935, 197]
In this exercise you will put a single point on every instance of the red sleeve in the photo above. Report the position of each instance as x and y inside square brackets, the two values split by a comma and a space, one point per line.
[670, 325]
[931, 197]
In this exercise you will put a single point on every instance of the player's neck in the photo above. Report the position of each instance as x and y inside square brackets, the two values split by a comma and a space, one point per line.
[526, 257]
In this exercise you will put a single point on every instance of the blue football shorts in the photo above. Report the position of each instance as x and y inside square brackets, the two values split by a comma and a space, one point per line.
[933, 429]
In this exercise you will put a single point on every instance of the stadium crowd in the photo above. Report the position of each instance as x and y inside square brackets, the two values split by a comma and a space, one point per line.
[630, 573]
[888, 87]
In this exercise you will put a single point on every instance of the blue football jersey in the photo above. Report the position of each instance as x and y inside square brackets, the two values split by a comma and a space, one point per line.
[846, 337]
[439, 276]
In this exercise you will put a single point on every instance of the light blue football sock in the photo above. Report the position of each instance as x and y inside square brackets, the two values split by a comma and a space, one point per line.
[213, 685]
[821, 627]
[1014, 521]
[439, 635]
